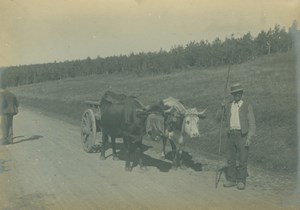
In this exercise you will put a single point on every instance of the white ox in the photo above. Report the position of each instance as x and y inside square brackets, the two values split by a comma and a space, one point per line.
[179, 124]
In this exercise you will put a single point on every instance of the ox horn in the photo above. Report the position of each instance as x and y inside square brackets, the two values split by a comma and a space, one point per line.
[141, 112]
[168, 110]
[202, 113]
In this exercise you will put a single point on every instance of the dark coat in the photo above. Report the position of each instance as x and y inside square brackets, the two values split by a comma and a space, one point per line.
[2, 101]
[10, 103]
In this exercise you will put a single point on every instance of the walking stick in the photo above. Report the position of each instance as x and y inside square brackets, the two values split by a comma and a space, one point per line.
[219, 171]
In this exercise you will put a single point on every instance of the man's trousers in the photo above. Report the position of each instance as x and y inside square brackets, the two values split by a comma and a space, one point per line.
[237, 152]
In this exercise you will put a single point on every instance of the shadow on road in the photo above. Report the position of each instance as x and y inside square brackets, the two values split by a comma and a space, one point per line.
[161, 165]
[33, 137]
[148, 161]
[187, 161]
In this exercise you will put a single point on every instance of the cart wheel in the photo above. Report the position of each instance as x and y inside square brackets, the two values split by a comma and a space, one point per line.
[88, 130]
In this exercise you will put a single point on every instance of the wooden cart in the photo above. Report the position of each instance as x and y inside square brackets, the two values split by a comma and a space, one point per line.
[90, 127]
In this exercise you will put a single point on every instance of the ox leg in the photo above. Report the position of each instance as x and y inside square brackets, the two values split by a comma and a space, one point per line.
[103, 148]
[127, 145]
[181, 156]
[140, 155]
[178, 160]
[174, 153]
[173, 147]
[181, 160]
[163, 153]
[175, 160]
[113, 146]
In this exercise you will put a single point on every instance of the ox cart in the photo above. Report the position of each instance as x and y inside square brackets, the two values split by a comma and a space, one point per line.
[128, 120]
[91, 137]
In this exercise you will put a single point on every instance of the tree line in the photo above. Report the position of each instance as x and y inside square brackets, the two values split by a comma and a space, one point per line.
[201, 54]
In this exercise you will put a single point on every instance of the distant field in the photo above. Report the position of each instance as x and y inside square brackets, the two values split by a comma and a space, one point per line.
[269, 82]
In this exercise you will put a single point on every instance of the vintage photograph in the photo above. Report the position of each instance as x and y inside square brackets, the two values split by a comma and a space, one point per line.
[149, 104]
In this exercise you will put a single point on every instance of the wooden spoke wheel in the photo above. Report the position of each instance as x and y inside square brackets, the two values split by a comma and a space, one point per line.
[88, 130]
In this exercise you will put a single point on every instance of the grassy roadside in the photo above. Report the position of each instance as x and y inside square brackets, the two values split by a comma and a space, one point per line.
[269, 82]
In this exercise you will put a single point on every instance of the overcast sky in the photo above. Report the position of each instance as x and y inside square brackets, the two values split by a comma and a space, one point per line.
[42, 31]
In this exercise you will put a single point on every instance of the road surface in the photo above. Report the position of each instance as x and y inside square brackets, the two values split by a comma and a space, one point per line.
[46, 168]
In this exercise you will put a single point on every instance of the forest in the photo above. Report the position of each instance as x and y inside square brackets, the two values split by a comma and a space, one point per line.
[201, 54]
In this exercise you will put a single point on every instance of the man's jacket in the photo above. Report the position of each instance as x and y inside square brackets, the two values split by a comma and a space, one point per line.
[246, 116]
[11, 103]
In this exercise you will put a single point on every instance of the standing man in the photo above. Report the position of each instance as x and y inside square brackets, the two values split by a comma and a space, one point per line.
[240, 125]
[2, 116]
[9, 109]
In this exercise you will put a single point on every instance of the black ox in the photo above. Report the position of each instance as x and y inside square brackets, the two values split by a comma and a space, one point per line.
[123, 117]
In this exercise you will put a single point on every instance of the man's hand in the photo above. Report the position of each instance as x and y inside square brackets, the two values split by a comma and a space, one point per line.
[223, 104]
[248, 141]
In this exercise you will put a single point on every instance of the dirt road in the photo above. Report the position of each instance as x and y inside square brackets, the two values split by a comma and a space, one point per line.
[46, 168]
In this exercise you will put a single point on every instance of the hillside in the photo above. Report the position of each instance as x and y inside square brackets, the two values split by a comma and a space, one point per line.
[269, 82]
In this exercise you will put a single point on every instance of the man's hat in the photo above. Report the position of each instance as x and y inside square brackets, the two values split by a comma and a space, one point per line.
[237, 87]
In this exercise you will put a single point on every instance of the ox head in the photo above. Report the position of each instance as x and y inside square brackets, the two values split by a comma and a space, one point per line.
[190, 124]
[173, 119]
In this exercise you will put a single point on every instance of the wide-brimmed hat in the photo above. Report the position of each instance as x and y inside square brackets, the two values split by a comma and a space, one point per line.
[237, 87]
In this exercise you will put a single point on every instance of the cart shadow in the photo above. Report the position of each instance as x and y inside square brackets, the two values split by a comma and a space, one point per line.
[161, 165]
[33, 137]
[148, 161]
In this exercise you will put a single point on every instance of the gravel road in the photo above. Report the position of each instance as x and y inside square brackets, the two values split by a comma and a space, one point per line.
[46, 168]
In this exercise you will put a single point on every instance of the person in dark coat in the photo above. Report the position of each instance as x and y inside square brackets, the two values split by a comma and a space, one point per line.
[9, 108]
[2, 116]
[241, 128]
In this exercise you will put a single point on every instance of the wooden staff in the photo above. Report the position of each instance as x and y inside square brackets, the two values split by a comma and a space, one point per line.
[219, 171]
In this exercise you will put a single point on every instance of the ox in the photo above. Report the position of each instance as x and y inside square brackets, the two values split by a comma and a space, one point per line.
[179, 125]
[122, 117]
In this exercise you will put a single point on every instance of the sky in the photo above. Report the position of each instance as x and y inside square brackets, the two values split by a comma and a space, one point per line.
[44, 31]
